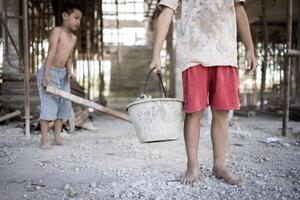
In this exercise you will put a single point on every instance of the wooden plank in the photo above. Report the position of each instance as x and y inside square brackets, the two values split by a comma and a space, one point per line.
[10, 115]
[292, 52]
[85, 102]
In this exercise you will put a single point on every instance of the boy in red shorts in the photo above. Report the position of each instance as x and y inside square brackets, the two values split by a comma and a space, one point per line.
[207, 54]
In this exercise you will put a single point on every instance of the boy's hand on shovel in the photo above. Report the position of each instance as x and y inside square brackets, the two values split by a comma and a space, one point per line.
[72, 76]
[45, 82]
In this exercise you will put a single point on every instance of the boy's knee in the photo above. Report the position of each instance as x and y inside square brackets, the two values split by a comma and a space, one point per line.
[195, 114]
[219, 113]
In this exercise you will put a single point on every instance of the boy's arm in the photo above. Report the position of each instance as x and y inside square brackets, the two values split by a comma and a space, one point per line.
[162, 28]
[245, 35]
[53, 41]
[70, 67]
[70, 61]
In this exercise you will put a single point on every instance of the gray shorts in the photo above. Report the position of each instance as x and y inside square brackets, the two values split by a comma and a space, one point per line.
[54, 107]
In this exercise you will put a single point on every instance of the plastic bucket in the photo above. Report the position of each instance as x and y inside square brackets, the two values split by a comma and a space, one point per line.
[157, 119]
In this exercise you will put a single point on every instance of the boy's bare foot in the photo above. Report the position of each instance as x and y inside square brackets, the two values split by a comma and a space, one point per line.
[191, 175]
[224, 173]
[45, 146]
[57, 140]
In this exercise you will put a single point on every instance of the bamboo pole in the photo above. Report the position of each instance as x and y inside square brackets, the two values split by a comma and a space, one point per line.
[254, 77]
[26, 68]
[265, 61]
[32, 36]
[287, 69]
[101, 71]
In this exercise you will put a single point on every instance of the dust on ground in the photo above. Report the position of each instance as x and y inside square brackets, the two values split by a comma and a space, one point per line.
[110, 163]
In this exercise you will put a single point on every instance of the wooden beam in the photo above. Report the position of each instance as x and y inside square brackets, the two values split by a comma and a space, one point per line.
[10, 115]
[292, 52]
[287, 69]
[87, 103]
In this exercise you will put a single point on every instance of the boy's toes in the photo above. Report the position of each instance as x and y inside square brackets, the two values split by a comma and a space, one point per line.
[57, 141]
[45, 146]
[190, 178]
[228, 176]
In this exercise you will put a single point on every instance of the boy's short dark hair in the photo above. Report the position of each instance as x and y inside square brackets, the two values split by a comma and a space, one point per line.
[69, 8]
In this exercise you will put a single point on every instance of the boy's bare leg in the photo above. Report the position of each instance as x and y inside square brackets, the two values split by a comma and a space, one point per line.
[219, 134]
[57, 131]
[44, 131]
[191, 138]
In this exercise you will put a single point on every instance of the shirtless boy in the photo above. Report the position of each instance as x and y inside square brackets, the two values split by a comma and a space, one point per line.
[57, 71]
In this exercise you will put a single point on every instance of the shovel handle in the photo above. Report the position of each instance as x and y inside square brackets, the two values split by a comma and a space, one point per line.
[160, 80]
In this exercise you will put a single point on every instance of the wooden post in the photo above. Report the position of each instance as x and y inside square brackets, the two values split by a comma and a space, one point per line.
[254, 77]
[101, 71]
[37, 38]
[287, 69]
[298, 59]
[26, 68]
[32, 35]
[265, 61]
[87, 103]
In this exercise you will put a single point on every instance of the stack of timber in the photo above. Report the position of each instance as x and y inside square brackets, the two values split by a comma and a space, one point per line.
[13, 93]
[12, 96]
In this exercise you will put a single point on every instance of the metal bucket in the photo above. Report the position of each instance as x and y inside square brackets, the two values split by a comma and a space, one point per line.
[157, 119]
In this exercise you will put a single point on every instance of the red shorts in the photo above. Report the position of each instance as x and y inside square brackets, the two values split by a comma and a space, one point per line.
[216, 86]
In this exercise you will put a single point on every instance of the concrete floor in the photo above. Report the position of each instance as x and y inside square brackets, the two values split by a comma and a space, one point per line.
[110, 163]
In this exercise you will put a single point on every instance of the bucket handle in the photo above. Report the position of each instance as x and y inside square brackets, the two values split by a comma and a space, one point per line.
[160, 80]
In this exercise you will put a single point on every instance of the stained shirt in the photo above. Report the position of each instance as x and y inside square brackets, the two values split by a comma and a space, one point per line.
[207, 34]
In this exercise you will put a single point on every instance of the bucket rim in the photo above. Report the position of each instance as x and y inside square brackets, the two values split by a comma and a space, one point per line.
[150, 100]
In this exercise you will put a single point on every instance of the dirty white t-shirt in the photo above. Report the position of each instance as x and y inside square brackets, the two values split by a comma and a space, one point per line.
[207, 33]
